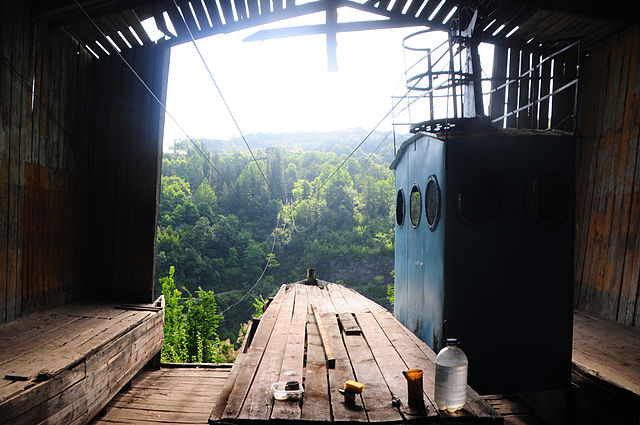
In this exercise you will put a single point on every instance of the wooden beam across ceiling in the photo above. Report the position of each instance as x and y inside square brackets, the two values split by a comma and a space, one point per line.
[507, 22]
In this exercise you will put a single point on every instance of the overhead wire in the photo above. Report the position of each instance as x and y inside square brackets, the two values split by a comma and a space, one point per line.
[193, 143]
[273, 245]
[164, 108]
[238, 126]
[224, 101]
[314, 221]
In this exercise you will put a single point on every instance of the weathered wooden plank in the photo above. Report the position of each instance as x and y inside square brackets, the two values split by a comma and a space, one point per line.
[156, 416]
[133, 21]
[594, 236]
[337, 299]
[72, 395]
[259, 399]
[148, 162]
[253, 8]
[37, 394]
[31, 334]
[214, 15]
[200, 14]
[322, 299]
[524, 116]
[358, 302]
[390, 363]
[168, 397]
[28, 364]
[349, 325]
[475, 406]
[293, 359]
[340, 374]
[586, 173]
[619, 225]
[27, 69]
[25, 348]
[231, 405]
[330, 359]
[607, 350]
[58, 360]
[600, 300]
[169, 406]
[122, 168]
[545, 89]
[631, 203]
[14, 164]
[315, 406]
[221, 400]
[512, 89]
[5, 123]
[377, 397]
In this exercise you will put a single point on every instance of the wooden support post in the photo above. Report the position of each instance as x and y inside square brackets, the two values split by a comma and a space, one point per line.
[311, 276]
[328, 351]
[154, 362]
[332, 43]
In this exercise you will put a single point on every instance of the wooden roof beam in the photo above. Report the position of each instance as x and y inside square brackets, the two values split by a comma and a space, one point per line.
[66, 12]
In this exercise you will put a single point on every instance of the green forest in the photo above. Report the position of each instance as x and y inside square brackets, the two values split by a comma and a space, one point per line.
[231, 230]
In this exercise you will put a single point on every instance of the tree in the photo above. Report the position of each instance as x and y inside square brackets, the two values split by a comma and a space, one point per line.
[190, 326]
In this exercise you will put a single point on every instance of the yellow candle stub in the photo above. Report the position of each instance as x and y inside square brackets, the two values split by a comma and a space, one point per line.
[353, 386]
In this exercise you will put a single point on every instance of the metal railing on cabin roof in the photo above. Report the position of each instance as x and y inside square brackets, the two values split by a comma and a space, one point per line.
[531, 87]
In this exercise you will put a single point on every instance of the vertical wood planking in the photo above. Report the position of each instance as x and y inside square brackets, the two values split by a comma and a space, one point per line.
[618, 225]
[512, 88]
[545, 82]
[5, 122]
[608, 207]
[524, 116]
[45, 145]
[14, 206]
[535, 85]
[584, 183]
[631, 274]
[588, 284]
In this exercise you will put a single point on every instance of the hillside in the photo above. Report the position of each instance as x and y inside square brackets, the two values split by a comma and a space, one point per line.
[220, 221]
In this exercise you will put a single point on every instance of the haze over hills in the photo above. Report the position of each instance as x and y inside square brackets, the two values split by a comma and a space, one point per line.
[220, 221]
[336, 141]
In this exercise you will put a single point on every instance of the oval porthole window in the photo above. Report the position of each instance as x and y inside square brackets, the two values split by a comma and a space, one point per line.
[548, 198]
[432, 202]
[480, 198]
[415, 206]
[400, 205]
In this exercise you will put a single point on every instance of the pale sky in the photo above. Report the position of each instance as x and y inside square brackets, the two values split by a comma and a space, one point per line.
[283, 85]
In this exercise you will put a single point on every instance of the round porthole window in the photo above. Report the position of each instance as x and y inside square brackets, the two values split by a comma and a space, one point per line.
[415, 206]
[480, 199]
[548, 198]
[400, 205]
[432, 202]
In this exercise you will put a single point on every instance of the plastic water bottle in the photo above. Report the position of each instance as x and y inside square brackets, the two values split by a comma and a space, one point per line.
[451, 377]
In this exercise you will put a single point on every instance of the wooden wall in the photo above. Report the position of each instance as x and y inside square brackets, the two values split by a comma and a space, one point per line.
[43, 165]
[80, 146]
[607, 263]
[127, 128]
[527, 97]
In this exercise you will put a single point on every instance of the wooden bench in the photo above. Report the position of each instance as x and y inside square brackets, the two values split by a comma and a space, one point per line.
[368, 345]
[64, 365]
[606, 371]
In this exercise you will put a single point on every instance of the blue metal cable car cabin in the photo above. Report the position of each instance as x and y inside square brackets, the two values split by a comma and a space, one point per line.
[484, 228]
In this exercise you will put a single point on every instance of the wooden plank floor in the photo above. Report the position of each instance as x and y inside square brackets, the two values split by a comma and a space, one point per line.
[182, 395]
[63, 365]
[607, 350]
[287, 345]
[513, 410]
